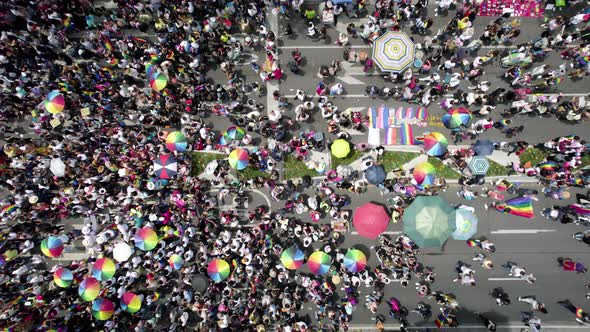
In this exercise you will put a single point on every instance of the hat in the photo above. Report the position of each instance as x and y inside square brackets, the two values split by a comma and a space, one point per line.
[33, 199]
[151, 186]
[100, 169]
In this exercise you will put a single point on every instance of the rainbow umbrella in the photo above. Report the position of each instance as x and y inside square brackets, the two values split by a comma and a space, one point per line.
[89, 289]
[146, 239]
[520, 206]
[176, 141]
[435, 144]
[456, 118]
[130, 302]
[340, 148]
[355, 260]
[232, 133]
[319, 263]
[218, 270]
[102, 309]
[52, 246]
[548, 165]
[424, 174]
[63, 277]
[239, 159]
[55, 102]
[292, 258]
[175, 261]
[103, 269]
[159, 82]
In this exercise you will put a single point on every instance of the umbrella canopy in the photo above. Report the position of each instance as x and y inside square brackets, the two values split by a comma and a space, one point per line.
[52, 246]
[456, 117]
[355, 260]
[340, 148]
[218, 270]
[375, 174]
[393, 51]
[146, 239]
[319, 263]
[424, 174]
[483, 147]
[103, 269]
[63, 277]
[370, 220]
[239, 159]
[130, 302]
[429, 221]
[547, 165]
[435, 144]
[57, 167]
[121, 252]
[102, 309]
[479, 165]
[89, 289]
[55, 102]
[292, 258]
[165, 166]
[176, 141]
[232, 133]
[159, 82]
[175, 261]
[466, 223]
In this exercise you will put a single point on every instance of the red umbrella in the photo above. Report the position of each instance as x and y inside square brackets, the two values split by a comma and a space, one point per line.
[370, 220]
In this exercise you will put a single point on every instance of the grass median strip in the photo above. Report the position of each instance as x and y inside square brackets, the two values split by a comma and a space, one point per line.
[199, 161]
[532, 155]
[496, 169]
[295, 168]
[352, 156]
[443, 170]
[391, 160]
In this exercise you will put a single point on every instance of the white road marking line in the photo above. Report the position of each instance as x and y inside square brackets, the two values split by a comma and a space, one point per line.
[504, 279]
[574, 94]
[522, 231]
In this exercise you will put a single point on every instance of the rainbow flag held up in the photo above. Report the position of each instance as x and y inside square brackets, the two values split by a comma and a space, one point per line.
[520, 206]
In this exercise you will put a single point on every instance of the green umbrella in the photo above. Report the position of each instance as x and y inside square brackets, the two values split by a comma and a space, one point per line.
[429, 221]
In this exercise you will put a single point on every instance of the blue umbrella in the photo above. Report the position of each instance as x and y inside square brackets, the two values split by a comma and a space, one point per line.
[483, 147]
[375, 174]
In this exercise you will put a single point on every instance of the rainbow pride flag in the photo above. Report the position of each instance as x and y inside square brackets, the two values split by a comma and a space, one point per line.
[390, 136]
[407, 134]
[422, 114]
[520, 206]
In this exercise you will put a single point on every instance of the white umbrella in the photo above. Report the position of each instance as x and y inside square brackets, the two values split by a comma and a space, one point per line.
[57, 167]
[122, 252]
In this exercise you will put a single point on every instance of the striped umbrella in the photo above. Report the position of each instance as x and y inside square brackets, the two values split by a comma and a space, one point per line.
[231, 134]
[159, 82]
[165, 166]
[355, 260]
[319, 263]
[239, 159]
[456, 117]
[103, 269]
[393, 51]
[424, 174]
[52, 246]
[292, 258]
[479, 165]
[102, 309]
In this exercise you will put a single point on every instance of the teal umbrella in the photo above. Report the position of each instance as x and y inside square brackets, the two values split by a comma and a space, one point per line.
[429, 221]
[466, 223]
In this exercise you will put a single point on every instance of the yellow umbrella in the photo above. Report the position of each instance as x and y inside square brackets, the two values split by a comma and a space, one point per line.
[340, 148]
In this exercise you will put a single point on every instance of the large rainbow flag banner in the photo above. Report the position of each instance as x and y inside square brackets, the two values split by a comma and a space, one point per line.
[521, 206]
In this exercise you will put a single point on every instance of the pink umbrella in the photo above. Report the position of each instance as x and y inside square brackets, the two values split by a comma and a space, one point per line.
[370, 220]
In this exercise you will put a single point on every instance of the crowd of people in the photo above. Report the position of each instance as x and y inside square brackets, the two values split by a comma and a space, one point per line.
[94, 161]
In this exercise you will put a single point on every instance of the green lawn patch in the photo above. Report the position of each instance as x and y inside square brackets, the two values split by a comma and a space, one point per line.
[251, 173]
[443, 170]
[391, 160]
[295, 168]
[352, 156]
[585, 160]
[496, 169]
[199, 161]
[532, 155]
